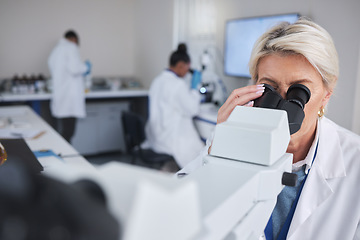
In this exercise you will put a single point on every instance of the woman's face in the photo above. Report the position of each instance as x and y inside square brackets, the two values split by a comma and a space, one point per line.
[283, 71]
[182, 68]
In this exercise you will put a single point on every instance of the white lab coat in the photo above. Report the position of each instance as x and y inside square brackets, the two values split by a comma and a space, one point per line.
[170, 128]
[67, 69]
[329, 205]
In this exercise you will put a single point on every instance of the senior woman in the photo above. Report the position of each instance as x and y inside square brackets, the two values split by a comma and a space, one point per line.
[325, 204]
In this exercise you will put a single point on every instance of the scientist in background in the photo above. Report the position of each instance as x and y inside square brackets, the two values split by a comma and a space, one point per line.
[173, 104]
[68, 92]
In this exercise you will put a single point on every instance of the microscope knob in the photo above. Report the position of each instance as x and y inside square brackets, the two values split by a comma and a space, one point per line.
[289, 179]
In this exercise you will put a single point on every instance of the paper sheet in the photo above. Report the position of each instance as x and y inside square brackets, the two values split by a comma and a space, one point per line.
[20, 133]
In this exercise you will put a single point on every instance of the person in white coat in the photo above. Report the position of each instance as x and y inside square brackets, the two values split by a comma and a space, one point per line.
[325, 204]
[68, 91]
[172, 106]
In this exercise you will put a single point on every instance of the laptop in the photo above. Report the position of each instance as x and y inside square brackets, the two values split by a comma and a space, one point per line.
[18, 151]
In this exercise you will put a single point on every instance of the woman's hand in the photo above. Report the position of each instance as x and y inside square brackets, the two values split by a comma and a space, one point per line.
[239, 97]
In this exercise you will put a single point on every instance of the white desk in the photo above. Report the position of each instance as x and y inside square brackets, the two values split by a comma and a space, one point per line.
[103, 109]
[50, 139]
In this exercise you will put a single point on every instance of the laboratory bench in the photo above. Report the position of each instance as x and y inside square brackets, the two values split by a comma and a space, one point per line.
[23, 122]
[101, 130]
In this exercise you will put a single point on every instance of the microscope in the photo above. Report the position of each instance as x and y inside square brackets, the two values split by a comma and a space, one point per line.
[231, 196]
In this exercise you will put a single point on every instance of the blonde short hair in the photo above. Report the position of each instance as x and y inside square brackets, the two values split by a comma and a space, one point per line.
[303, 37]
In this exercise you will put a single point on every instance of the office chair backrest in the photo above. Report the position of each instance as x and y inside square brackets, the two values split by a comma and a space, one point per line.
[134, 129]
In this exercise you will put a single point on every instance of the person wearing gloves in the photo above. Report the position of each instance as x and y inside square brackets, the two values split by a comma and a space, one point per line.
[68, 93]
[172, 106]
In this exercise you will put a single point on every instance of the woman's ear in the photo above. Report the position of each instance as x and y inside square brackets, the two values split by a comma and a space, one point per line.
[326, 98]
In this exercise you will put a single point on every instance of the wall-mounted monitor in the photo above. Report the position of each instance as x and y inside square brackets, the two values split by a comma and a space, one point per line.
[240, 36]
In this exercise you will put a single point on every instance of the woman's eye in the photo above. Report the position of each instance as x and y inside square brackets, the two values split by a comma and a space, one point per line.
[275, 87]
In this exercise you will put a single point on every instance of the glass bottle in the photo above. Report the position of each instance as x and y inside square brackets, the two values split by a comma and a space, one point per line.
[3, 154]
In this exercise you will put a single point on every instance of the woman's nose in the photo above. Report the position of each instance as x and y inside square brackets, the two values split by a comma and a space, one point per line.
[282, 92]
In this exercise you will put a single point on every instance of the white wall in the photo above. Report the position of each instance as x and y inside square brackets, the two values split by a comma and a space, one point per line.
[119, 37]
[356, 107]
[135, 37]
[153, 38]
[339, 18]
[30, 29]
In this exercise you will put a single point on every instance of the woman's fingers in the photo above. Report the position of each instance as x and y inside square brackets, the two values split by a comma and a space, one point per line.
[239, 97]
[249, 104]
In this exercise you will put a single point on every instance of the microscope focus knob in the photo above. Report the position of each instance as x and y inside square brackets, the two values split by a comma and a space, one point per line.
[289, 179]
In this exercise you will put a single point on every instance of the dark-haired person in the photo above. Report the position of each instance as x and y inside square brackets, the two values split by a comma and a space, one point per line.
[68, 94]
[173, 104]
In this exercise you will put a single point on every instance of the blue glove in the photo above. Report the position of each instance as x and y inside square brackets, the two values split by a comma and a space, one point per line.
[196, 79]
[88, 64]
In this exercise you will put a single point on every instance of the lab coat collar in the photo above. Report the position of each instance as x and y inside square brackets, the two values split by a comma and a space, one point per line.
[66, 41]
[308, 161]
[171, 71]
[330, 155]
[329, 164]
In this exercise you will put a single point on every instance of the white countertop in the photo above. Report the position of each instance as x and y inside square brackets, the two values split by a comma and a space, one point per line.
[208, 112]
[23, 118]
[122, 93]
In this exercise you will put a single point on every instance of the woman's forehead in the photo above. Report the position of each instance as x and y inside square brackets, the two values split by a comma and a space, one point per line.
[287, 68]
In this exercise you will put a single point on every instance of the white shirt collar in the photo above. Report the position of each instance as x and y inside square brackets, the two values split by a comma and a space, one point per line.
[309, 157]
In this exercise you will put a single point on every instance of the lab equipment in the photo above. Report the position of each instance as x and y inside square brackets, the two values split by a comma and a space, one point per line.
[215, 88]
[25, 84]
[196, 79]
[296, 98]
[34, 206]
[229, 197]
[265, 138]
[207, 90]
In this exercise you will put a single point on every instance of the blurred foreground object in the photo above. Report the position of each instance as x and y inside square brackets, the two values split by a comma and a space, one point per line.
[227, 197]
[33, 206]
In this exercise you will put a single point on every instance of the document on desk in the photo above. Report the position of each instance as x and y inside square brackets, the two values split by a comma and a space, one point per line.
[20, 133]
